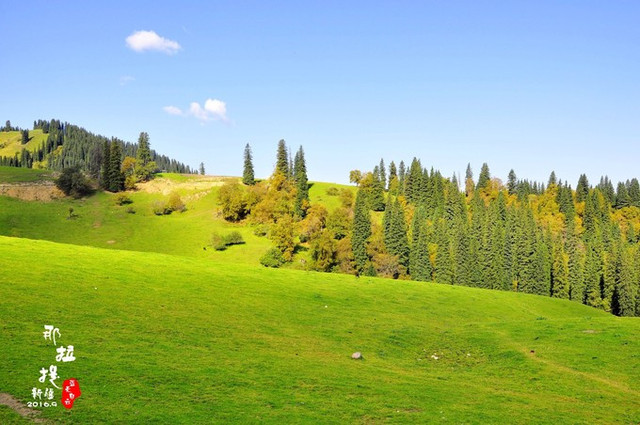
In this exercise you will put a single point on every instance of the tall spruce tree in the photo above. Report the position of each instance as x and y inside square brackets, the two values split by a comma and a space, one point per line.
[116, 177]
[484, 178]
[302, 183]
[248, 177]
[383, 174]
[413, 181]
[512, 182]
[634, 192]
[393, 178]
[361, 232]
[282, 159]
[560, 272]
[398, 243]
[376, 191]
[143, 155]
[402, 174]
[105, 181]
[622, 196]
[469, 185]
[582, 189]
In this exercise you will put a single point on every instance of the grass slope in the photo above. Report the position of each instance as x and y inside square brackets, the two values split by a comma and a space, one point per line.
[167, 339]
[23, 175]
[101, 223]
[11, 142]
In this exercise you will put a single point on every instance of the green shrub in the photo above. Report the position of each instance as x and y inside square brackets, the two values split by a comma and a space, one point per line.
[218, 242]
[233, 238]
[272, 258]
[261, 230]
[333, 191]
[175, 202]
[73, 182]
[130, 210]
[161, 208]
[123, 199]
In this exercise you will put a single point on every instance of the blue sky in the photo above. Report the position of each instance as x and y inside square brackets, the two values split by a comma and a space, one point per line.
[534, 86]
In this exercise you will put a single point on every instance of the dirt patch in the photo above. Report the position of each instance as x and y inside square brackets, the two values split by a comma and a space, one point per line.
[111, 242]
[166, 186]
[21, 409]
[590, 331]
[42, 191]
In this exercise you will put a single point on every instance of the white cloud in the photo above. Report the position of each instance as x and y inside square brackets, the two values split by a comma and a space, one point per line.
[126, 79]
[217, 109]
[173, 110]
[198, 111]
[149, 40]
[213, 109]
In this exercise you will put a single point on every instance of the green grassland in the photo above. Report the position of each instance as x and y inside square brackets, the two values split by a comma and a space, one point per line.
[23, 175]
[172, 339]
[98, 221]
[11, 142]
[167, 330]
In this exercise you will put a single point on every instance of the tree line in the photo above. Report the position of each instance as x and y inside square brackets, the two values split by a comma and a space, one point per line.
[68, 145]
[414, 223]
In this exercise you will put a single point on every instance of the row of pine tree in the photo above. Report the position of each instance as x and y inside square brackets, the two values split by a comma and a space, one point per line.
[413, 223]
[80, 148]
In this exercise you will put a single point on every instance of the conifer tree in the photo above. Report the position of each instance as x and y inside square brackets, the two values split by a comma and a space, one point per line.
[413, 181]
[634, 192]
[143, 155]
[626, 292]
[248, 177]
[560, 272]
[444, 269]
[612, 264]
[105, 182]
[419, 262]
[469, 185]
[397, 240]
[383, 174]
[582, 189]
[282, 159]
[116, 177]
[512, 182]
[402, 171]
[376, 195]
[393, 179]
[386, 222]
[622, 196]
[202, 168]
[302, 183]
[592, 276]
[484, 178]
[361, 232]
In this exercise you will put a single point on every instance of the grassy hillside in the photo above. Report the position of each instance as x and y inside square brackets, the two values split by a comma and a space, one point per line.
[11, 142]
[99, 222]
[167, 339]
[23, 175]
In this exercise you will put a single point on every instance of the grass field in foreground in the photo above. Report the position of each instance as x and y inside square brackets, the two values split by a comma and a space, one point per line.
[167, 339]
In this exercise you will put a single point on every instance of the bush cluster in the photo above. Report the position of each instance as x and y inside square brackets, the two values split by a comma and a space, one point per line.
[221, 242]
